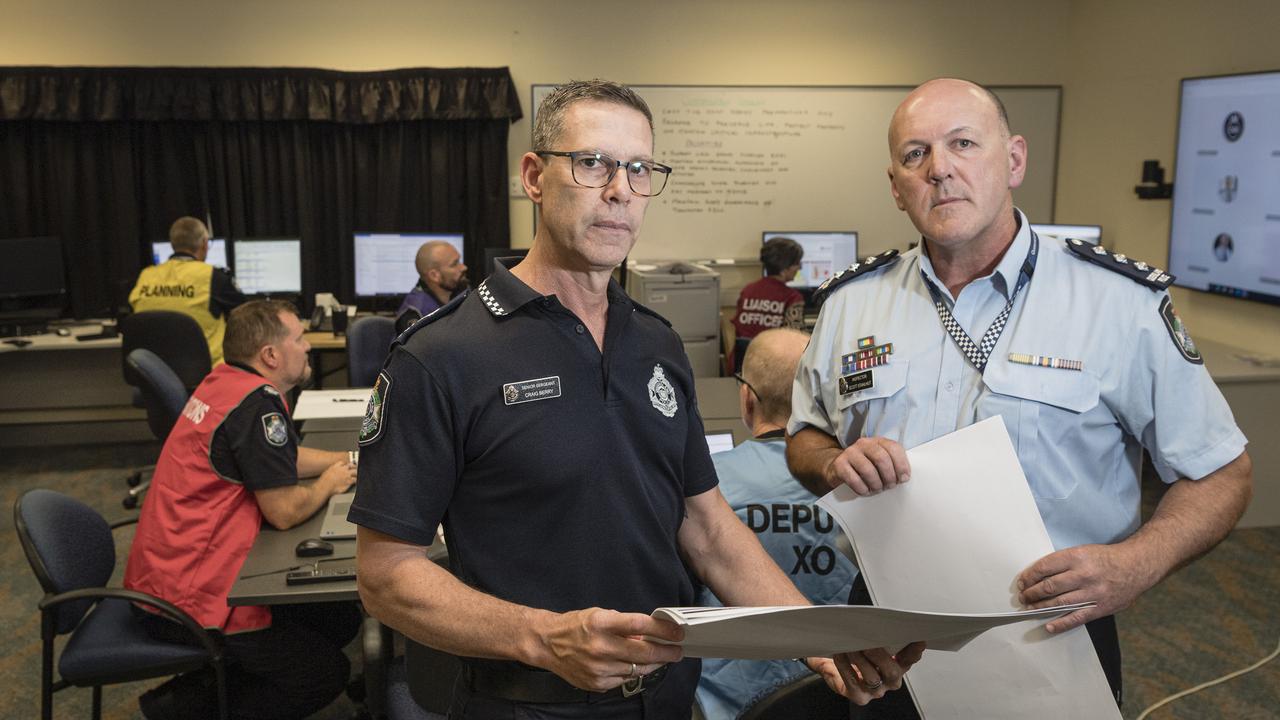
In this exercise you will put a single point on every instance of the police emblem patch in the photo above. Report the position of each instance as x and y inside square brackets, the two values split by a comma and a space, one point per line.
[1178, 331]
[275, 429]
[661, 394]
[371, 426]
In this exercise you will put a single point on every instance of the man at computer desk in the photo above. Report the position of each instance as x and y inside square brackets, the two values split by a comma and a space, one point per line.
[769, 302]
[232, 460]
[798, 535]
[185, 283]
[442, 276]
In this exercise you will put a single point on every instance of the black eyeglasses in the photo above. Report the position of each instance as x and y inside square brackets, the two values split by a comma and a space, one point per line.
[595, 170]
[738, 376]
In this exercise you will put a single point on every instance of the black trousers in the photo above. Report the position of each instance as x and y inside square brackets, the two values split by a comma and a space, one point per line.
[290, 670]
[672, 699]
[897, 704]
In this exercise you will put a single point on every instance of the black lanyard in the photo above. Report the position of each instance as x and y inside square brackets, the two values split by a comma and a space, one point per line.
[977, 353]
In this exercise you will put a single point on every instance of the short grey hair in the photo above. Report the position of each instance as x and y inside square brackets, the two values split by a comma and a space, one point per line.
[549, 123]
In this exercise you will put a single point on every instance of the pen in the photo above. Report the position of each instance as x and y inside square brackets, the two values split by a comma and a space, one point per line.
[348, 400]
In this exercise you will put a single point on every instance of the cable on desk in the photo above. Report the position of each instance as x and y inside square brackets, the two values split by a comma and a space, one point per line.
[296, 567]
[1211, 683]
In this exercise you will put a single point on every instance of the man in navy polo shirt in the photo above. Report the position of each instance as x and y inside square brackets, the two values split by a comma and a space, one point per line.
[550, 423]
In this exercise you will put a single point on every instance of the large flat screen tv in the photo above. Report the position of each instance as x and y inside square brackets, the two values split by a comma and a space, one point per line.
[1224, 235]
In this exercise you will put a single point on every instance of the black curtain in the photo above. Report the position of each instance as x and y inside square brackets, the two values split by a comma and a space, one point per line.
[107, 158]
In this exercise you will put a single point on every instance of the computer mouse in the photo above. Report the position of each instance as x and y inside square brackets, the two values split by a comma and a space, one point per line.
[63, 332]
[313, 547]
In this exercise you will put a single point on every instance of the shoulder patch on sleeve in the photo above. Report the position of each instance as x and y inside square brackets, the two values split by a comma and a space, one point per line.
[856, 270]
[275, 429]
[371, 426]
[1136, 270]
[1179, 333]
[446, 309]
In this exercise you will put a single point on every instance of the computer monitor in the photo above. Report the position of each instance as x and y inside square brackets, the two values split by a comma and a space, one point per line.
[162, 251]
[32, 268]
[266, 266]
[719, 441]
[384, 261]
[1224, 233]
[1092, 233]
[825, 254]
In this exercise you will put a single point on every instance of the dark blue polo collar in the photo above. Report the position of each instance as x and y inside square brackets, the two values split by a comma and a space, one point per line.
[503, 293]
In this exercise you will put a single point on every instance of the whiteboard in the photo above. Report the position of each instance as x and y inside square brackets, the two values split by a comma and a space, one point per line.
[751, 159]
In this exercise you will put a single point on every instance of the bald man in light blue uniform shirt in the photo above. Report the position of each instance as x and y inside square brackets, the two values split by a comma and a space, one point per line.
[1076, 348]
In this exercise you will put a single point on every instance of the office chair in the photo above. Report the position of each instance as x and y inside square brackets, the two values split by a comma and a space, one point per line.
[809, 697]
[175, 337]
[406, 319]
[72, 553]
[368, 340]
[163, 396]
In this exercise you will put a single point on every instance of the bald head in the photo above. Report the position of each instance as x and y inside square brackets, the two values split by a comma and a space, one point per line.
[949, 90]
[433, 256]
[770, 367]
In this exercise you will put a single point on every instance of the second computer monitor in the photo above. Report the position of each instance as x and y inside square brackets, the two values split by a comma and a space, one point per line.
[825, 254]
[384, 261]
[267, 266]
[162, 251]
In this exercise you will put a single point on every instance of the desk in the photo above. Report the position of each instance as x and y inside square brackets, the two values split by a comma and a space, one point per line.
[273, 553]
[326, 343]
[63, 391]
[1253, 393]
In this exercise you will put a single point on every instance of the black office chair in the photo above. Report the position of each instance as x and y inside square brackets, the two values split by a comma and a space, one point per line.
[368, 340]
[406, 319]
[809, 698]
[176, 339]
[163, 396]
[174, 336]
[72, 554]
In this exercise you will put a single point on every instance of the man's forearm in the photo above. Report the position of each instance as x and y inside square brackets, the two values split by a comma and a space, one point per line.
[405, 590]
[1193, 517]
[726, 555]
[312, 462]
[809, 453]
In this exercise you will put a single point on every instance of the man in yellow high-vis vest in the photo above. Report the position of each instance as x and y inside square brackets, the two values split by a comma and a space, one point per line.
[185, 283]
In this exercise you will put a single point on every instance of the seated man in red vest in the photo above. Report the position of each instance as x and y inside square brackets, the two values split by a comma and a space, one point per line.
[232, 460]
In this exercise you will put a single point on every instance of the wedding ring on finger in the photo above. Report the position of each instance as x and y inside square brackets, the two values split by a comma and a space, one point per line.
[872, 686]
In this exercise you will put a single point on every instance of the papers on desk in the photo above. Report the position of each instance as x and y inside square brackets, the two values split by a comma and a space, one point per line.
[342, 403]
[954, 539]
[770, 633]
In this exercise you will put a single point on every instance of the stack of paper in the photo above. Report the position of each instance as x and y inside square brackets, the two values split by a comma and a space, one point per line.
[955, 538]
[770, 633]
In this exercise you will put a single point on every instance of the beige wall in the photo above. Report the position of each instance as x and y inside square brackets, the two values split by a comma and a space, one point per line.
[1119, 61]
[1120, 108]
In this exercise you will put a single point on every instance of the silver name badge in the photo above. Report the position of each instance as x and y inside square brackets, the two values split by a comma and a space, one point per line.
[530, 390]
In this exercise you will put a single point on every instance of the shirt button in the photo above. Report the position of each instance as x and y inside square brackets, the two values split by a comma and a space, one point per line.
[951, 387]
[579, 328]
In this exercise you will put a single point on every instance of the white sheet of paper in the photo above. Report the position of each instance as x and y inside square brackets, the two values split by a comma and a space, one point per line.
[772, 633]
[340, 403]
[953, 539]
